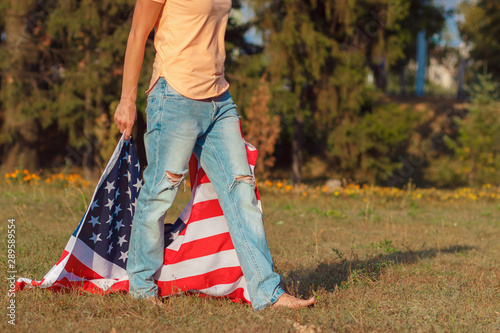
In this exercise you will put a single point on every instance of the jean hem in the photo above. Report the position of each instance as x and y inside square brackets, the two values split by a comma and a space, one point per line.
[277, 294]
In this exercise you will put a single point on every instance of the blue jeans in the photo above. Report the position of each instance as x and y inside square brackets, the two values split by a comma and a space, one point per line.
[176, 127]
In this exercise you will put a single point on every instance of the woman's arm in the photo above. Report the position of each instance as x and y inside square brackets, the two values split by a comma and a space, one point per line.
[145, 15]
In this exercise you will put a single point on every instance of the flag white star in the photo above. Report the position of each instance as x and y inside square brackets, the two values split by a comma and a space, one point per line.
[130, 208]
[110, 247]
[109, 204]
[122, 240]
[124, 256]
[134, 203]
[94, 205]
[129, 176]
[117, 209]
[94, 220]
[173, 235]
[119, 224]
[117, 193]
[129, 192]
[110, 186]
[138, 166]
[138, 185]
[95, 238]
[109, 219]
[110, 233]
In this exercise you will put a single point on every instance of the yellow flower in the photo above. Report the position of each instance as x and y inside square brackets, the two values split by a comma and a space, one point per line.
[7, 175]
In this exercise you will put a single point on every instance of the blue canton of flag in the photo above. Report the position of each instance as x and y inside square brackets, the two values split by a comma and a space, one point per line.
[107, 225]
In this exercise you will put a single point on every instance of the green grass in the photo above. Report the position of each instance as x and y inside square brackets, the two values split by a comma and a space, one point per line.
[384, 265]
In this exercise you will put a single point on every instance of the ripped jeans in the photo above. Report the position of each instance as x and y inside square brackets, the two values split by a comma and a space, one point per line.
[176, 127]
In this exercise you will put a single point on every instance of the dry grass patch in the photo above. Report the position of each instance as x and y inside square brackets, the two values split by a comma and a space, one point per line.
[395, 265]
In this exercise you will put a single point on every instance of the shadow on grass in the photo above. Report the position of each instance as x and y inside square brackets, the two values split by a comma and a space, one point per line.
[341, 271]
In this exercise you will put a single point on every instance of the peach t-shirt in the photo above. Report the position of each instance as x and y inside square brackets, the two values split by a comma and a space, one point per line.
[190, 50]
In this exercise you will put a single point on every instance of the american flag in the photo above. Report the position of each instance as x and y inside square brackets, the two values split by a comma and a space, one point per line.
[199, 254]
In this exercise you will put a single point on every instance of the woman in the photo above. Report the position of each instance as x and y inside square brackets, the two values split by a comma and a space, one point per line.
[189, 110]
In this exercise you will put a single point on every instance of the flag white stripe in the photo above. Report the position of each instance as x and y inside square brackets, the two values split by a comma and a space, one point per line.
[198, 266]
[225, 289]
[97, 263]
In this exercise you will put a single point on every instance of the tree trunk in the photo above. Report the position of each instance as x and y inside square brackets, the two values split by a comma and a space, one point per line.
[298, 129]
[21, 131]
[90, 151]
[402, 81]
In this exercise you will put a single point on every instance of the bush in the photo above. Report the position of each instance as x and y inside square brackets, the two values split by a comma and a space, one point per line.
[478, 143]
[366, 148]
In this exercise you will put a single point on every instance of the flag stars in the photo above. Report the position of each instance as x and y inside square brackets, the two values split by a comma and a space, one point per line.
[110, 233]
[138, 166]
[123, 256]
[130, 209]
[94, 205]
[109, 186]
[138, 185]
[117, 193]
[95, 238]
[122, 240]
[109, 204]
[109, 219]
[129, 192]
[110, 248]
[117, 209]
[119, 224]
[174, 235]
[94, 220]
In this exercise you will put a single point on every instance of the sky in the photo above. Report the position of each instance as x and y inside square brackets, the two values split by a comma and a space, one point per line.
[451, 22]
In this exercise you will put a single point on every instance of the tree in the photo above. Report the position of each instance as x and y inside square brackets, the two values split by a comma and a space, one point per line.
[90, 37]
[481, 27]
[26, 81]
[319, 55]
[478, 143]
[424, 16]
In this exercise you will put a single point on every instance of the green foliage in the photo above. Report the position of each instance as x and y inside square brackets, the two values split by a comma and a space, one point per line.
[365, 147]
[478, 144]
[320, 55]
[481, 27]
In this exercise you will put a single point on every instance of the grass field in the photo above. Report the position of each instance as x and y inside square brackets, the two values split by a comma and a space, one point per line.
[412, 262]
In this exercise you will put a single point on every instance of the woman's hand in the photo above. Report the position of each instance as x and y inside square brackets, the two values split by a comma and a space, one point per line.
[146, 13]
[125, 117]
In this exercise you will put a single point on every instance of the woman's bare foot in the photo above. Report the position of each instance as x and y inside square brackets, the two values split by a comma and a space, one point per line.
[288, 301]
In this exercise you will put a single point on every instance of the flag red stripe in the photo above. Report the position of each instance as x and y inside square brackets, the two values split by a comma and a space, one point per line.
[205, 210]
[76, 267]
[199, 248]
[225, 275]
[64, 254]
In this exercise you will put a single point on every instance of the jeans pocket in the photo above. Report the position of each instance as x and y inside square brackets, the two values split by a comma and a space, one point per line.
[149, 105]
